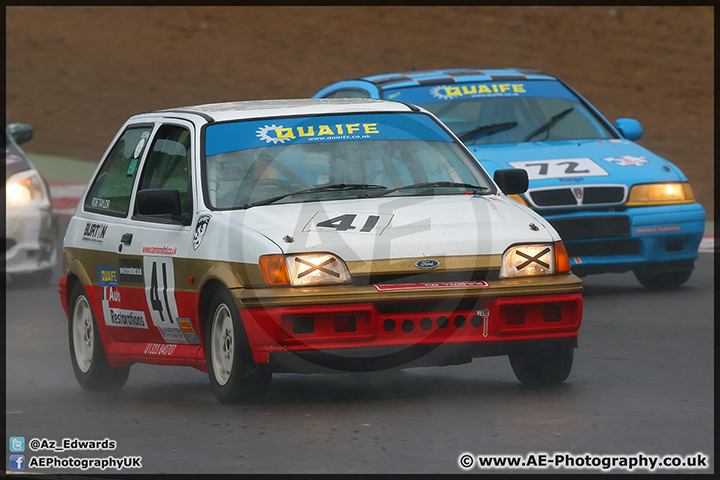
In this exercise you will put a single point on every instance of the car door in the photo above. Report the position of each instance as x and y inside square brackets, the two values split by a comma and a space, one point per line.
[96, 228]
[154, 248]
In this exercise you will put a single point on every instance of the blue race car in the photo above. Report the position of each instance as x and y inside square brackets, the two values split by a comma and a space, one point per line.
[617, 206]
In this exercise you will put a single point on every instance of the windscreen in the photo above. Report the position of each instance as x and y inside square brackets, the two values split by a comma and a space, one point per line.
[482, 113]
[300, 159]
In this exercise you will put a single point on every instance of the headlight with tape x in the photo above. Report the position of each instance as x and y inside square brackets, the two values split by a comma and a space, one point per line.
[305, 269]
[534, 260]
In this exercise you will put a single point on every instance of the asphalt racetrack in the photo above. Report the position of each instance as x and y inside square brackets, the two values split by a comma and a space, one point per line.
[642, 383]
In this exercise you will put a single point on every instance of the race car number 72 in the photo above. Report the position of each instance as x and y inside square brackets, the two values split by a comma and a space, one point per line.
[565, 167]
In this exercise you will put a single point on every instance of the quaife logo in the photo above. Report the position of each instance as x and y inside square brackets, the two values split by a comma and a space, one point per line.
[450, 92]
[278, 134]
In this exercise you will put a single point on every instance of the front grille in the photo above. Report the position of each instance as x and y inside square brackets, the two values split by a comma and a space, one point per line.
[604, 248]
[426, 277]
[578, 196]
[581, 228]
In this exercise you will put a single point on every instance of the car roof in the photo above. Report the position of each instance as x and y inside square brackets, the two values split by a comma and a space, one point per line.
[214, 112]
[453, 75]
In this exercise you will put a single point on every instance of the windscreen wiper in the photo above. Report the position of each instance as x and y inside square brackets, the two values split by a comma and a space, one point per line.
[549, 124]
[433, 185]
[322, 188]
[486, 130]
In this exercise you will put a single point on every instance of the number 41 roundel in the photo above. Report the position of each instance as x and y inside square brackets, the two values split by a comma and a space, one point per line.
[364, 223]
[159, 276]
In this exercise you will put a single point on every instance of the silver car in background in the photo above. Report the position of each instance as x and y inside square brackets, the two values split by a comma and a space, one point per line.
[31, 230]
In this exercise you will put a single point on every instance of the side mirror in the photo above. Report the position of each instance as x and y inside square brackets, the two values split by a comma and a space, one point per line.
[629, 128]
[512, 181]
[21, 132]
[158, 202]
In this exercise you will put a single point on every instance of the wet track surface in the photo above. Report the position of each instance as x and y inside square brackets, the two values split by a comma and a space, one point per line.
[642, 382]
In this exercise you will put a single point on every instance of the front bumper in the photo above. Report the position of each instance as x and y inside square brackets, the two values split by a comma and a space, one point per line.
[30, 239]
[400, 334]
[647, 237]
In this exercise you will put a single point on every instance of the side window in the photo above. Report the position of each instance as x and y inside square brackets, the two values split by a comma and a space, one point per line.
[110, 192]
[348, 93]
[168, 164]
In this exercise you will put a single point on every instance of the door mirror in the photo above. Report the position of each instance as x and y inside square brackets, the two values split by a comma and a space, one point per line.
[512, 181]
[21, 132]
[629, 128]
[158, 202]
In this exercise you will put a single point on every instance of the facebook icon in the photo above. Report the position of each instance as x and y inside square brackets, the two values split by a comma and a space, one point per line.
[17, 462]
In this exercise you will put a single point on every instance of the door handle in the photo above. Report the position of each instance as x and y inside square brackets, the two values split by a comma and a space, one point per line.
[126, 239]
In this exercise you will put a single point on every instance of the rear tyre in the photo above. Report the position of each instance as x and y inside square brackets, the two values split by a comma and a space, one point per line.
[542, 367]
[664, 280]
[234, 375]
[89, 360]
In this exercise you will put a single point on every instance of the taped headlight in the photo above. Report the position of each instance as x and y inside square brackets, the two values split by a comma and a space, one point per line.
[528, 261]
[660, 194]
[25, 187]
[305, 269]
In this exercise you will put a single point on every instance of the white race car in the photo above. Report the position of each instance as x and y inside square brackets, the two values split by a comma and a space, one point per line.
[31, 230]
[326, 235]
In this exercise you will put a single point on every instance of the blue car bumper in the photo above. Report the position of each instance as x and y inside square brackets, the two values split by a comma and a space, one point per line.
[662, 238]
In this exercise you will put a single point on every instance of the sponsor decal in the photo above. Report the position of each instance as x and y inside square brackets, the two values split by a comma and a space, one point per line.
[560, 168]
[278, 134]
[234, 136]
[130, 270]
[453, 92]
[94, 233]
[415, 286]
[485, 314]
[159, 349]
[159, 250]
[118, 317]
[141, 144]
[671, 228]
[427, 264]
[103, 203]
[188, 330]
[625, 160]
[200, 229]
[111, 295]
[107, 276]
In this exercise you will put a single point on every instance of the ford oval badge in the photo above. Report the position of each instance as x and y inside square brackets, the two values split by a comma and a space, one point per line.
[427, 264]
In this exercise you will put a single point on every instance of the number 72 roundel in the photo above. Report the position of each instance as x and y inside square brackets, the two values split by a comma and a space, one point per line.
[566, 167]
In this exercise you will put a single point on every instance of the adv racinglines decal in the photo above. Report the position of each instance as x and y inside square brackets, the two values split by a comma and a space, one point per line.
[159, 277]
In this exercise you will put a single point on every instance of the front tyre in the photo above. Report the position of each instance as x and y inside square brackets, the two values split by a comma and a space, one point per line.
[89, 360]
[234, 375]
[542, 367]
[664, 280]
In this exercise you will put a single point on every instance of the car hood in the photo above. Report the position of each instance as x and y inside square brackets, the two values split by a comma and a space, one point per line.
[613, 161]
[398, 227]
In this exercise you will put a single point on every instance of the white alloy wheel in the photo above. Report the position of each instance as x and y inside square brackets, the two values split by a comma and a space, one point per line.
[223, 344]
[83, 334]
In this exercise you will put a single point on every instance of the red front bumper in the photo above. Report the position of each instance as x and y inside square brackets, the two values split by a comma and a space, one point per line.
[411, 324]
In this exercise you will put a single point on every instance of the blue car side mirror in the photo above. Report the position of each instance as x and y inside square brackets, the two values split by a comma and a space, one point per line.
[629, 128]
